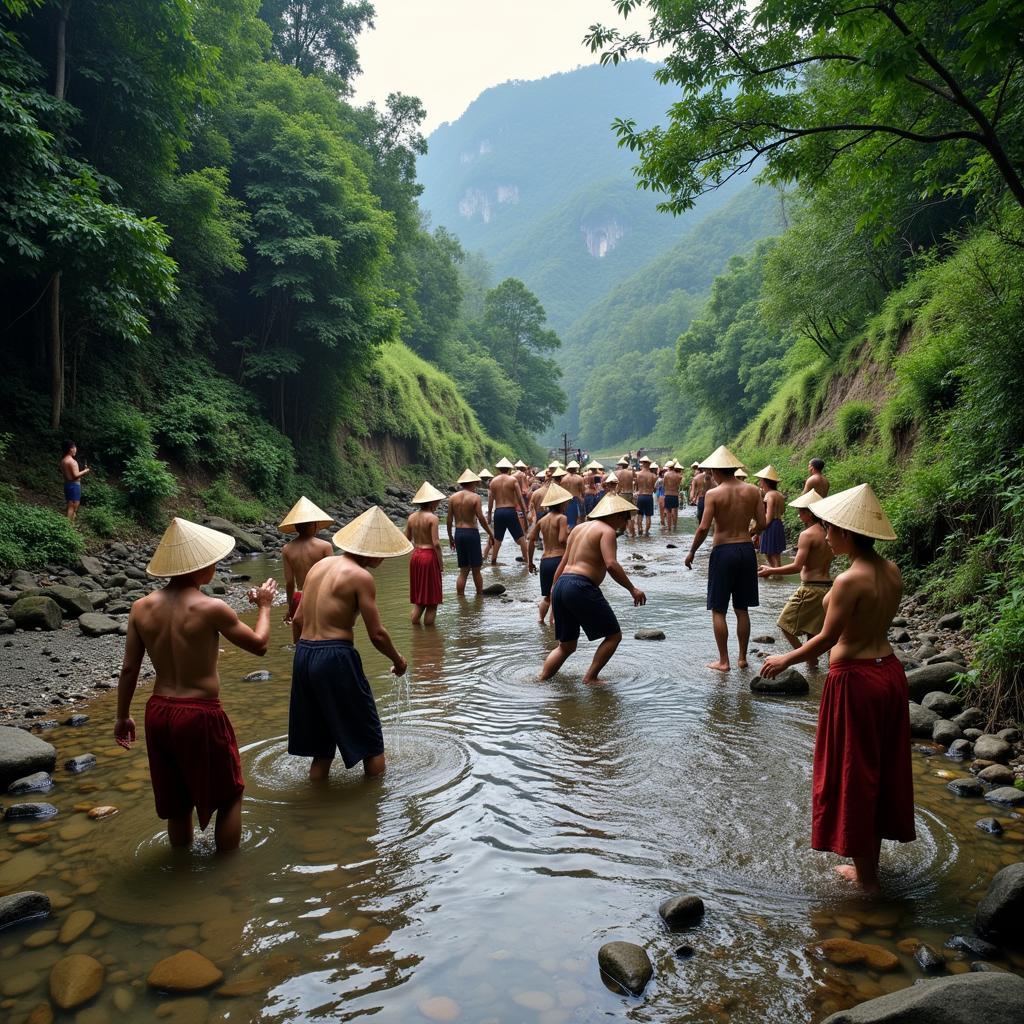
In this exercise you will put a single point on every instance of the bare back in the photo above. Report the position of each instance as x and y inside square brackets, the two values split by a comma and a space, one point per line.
[504, 491]
[330, 602]
[625, 480]
[817, 555]
[865, 598]
[646, 481]
[465, 508]
[422, 529]
[817, 482]
[732, 504]
[574, 484]
[774, 506]
[583, 554]
[672, 481]
[300, 555]
[554, 529]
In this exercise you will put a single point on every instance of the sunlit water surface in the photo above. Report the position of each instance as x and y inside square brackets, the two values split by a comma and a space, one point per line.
[520, 825]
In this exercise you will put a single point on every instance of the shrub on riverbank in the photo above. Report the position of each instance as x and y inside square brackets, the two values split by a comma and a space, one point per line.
[30, 535]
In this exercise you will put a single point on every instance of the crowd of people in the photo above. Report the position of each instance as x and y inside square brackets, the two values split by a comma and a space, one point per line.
[574, 515]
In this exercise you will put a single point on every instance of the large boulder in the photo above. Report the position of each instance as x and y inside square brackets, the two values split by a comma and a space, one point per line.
[789, 681]
[961, 999]
[927, 678]
[1006, 796]
[91, 566]
[945, 732]
[22, 580]
[97, 624]
[922, 721]
[992, 748]
[944, 704]
[1000, 915]
[72, 600]
[21, 754]
[36, 613]
[244, 540]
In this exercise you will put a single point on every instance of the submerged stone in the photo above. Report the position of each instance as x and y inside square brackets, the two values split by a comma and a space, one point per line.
[627, 965]
[681, 911]
[849, 951]
[37, 782]
[187, 971]
[648, 634]
[991, 826]
[23, 906]
[259, 676]
[79, 764]
[74, 980]
[29, 811]
[1000, 915]
[929, 959]
[788, 682]
[973, 945]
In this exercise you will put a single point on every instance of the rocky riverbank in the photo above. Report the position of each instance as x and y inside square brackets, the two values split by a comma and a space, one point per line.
[62, 628]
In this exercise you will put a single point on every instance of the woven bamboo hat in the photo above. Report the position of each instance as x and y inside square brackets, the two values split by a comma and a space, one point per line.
[623, 461]
[485, 474]
[610, 505]
[572, 465]
[554, 465]
[372, 535]
[304, 511]
[519, 464]
[806, 500]
[611, 478]
[594, 464]
[857, 510]
[741, 474]
[645, 458]
[721, 458]
[555, 495]
[188, 547]
[557, 474]
[504, 464]
[468, 477]
[426, 494]
[768, 473]
[694, 465]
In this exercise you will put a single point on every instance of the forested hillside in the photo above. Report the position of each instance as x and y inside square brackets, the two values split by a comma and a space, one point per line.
[215, 275]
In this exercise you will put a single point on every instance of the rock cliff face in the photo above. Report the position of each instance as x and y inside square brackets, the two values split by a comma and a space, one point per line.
[602, 236]
[478, 202]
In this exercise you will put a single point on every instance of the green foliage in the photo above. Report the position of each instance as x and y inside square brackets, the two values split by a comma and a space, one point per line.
[31, 535]
[124, 432]
[221, 498]
[318, 35]
[855, 420]
[147, 483]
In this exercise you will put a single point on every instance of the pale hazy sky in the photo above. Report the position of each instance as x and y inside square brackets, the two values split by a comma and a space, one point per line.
[448, 51]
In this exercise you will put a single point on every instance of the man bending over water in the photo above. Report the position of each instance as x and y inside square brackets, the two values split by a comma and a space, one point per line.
[193, 756]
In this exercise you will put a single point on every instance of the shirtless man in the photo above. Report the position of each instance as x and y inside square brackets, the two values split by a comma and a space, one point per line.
[576, 598]
[817, 481]
[673, 480]
[804, 614]
[645, 482]
[553, 529]
[427, 563]
[465, 511]
[193, 756]
[732, 570]
[692, 490]
[627, 481]
[299, 555]
[332, 705]
[700, 486]
[575, 485]
[537, 508]
[72, 479]
[504, 508]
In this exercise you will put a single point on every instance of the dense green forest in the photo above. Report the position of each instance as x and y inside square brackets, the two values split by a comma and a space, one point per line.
[216, 277]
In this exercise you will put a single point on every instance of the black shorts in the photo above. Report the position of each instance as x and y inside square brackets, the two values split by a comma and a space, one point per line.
[577, 602]
[645, 504]
[732, 573]
[467, 547]
[671, 501]
[547, 573]
[332, 704]
[506, 520]
[700, 509]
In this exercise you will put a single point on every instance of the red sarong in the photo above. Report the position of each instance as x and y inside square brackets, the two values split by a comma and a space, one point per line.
[293, 604]
[863, 788]
[193, 756]
[425, 577]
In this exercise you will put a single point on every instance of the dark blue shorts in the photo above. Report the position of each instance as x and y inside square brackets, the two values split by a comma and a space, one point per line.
[332, 704]
[467, 547]
[773, 540]
[572, 512]
[547, 573]
[645, 504]
[671, 501]
[732, 573]
[506, 520]
[700, 509]
[577, 602]
[72, 490]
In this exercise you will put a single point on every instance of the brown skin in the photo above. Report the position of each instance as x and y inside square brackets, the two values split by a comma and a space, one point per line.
[575, 485]
[72, 474]
[591, 552]
[536, 498]
[339, 591]
[644, 483]
[422, 529]
[858, 612]
[774, 508]
[627, 481]
[465, 511]
[730, 506]
[673, 482]
[299, 556]
[505, 492]
[554, 530]
[179, 627]
[816, 481]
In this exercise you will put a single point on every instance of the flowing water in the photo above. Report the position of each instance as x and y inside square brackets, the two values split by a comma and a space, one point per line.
[519, 826]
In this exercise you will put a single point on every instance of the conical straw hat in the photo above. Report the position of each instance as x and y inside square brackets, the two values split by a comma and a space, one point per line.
[188, 547]
[504, 464]
[594, 464]
[611, 504]
[741, 474]
[572, 465]
[372, 535]
[611, 478]
[623, 461]
[768, 473]
[806, 500]
[694, 465]
[468, 477]
[559, 473]
[555, 495]
[426, 494]
[304, 511]
[721, 458]
[485, 474]
[554, 465]
[520, 464]
[645, 458]
[857, 510]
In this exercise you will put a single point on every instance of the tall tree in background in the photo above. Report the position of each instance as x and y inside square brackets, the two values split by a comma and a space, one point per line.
[318, 35]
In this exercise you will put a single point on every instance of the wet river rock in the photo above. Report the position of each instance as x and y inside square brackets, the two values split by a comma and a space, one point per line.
[259, 676]
[922, 721]
[1000, 915]
[493, 590]
[680, 912]
[788, 682]
[186, 971]
[997, 775]
[990, 825]
[36, 613]
[29, 812]
[37, 782]
[973, 945]
[21, 754]
[928, 678]
[942, 703]
[966, 787]
[1006, 796]
[74, 980]
[945, 732]
[959, 750]
[848, 951]
[626, 964]
[929, 959]
[992, 748]
[648, 634]
[962, 999]
[79, 764]
[23, 906]
[97, 624]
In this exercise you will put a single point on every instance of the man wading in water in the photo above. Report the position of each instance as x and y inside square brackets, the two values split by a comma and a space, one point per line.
[554, 529]
[504, 508]
[732, 569]
[645, 482]
[465, 510]
[626, 478]
[299, 555]
[332, 705]
[576, 598]
[673, 479]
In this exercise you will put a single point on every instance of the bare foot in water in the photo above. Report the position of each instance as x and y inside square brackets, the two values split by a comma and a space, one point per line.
[849, 872]
[720, 666]
[742, 663]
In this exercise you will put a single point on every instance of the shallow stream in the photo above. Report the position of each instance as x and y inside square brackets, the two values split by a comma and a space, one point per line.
[519, 826]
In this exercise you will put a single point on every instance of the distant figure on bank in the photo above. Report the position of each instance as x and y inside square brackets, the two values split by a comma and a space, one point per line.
[504, 507]
[427, 562]
[732, 569]
[72, 479]
[299, 555]
[576, 598]
[863, 790]
[465, 511]
[627, 482]
[804, 614]
[553, 528]
[643, 488]
[773, 538]
[193, 756]
[673, 480]
[332, 705]
[817, 480]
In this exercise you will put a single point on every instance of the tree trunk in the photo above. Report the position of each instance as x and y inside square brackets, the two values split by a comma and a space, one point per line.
[56, 313]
